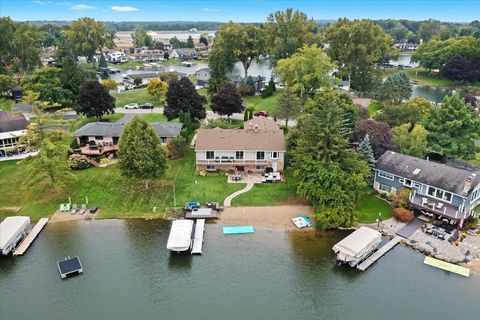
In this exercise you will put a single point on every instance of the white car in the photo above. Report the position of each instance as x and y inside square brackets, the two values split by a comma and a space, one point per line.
[131, 106]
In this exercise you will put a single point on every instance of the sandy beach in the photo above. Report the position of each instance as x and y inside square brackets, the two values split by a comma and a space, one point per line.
[278, 217]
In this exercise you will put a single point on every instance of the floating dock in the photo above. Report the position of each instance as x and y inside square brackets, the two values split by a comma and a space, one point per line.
[30, 237]
[203, 213]
[447, 266]
[238, 230]
[379, 253]
[69, 266]
[198, 236]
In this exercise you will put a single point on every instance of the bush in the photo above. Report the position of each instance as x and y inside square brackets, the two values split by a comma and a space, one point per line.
[222, 123]
[245, 90]
[104, 161]
[78, 162]
[176, 148]
[403, 215]
[401, 199]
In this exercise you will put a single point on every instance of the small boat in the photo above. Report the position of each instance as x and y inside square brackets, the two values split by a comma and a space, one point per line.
[307, 219]
[299, 222]
[357, 246]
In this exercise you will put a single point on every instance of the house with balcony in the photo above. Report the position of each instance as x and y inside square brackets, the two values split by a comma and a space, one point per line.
[258, 147]
[101, 138]
[438, 190]
[13, 126]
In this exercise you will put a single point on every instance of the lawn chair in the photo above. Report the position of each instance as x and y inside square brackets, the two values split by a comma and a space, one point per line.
[83, 209]
[67, 207]
[74, 209]
[62, 207]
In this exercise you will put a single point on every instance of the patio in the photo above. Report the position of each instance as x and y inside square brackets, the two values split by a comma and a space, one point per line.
[244, 177]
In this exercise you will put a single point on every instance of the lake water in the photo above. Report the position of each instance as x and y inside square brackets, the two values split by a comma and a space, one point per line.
[266, 275]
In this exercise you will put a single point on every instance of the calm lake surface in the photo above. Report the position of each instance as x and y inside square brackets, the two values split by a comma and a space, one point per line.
[266, 275]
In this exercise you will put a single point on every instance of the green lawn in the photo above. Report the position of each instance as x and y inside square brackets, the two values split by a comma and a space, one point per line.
[268, 104]
[267, 194]
[6, 104]
[139, 96]
[434, 80]
[373, 108]
[154, 117]
[370, 206]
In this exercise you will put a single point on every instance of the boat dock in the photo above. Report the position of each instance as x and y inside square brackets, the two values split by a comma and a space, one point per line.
[69, 266]
[30, 237]
[447, 266]
[198, 236]
[379, 253]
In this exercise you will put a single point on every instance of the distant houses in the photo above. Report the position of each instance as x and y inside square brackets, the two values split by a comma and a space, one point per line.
[101, 138]
[258, 147]
[12, 127]
[203, 76]
[129, 79]
[183, 54]
[437, 189]
[406, 47]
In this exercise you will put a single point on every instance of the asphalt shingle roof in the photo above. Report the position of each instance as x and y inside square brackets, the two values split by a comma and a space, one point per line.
[163, 129]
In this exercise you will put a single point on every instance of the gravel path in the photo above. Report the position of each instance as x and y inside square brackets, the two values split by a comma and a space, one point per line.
[228, 200]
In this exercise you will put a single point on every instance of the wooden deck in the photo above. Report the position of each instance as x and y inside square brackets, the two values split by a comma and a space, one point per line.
[30, 237]
[379, 253]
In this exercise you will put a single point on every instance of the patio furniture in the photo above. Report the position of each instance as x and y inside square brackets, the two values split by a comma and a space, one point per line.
[67, 207]
[74, 209]
[62, 207]
[439, 205]
[83, 209]
[217, 159]
[94, 209]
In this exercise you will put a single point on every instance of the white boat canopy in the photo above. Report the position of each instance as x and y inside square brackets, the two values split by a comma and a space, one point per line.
[357, 244]
[11, 228]
[180, 238]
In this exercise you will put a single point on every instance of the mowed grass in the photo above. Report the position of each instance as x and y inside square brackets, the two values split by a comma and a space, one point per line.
[268, 104]
[139, 96]
[6, 104]
[115, 195]
[435, 80]
[268, 194]
[154, 117]
[369, 207]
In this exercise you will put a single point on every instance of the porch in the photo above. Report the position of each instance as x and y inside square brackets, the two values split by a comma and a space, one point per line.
[436, 206]
[97, 149]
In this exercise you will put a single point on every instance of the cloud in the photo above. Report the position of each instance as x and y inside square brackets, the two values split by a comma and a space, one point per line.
[124, 9]
[63, 3]
[211, 10]
[39, 2]
[82, 7]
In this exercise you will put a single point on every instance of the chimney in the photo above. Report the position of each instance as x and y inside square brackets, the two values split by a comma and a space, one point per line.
[256, 128]
[467, 185]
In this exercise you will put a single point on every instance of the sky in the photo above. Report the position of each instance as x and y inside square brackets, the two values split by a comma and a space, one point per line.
[235, 10]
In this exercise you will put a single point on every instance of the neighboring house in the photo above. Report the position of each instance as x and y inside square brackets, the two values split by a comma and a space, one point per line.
[128, 80]
[97, 138]
[147, 55]
[183, 54]
[259, 145]
[437, 189]
[116, 57]
[406, 46]
[203, 76]
[12, 127]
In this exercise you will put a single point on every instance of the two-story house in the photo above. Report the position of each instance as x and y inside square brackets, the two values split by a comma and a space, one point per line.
[98, 138]
[256, 147]
[437, 189]
[12, 127]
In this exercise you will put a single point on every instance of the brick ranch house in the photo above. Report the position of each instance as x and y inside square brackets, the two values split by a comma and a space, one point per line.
[259, 145]
[98, 138]
[439, 190]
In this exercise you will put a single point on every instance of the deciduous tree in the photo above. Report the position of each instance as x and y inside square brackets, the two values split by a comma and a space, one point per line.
[182, 96]
[411, 139]
[157, 88]
[227, 100]
[94, 100]
[379, 133]
[87, 36]
[140, 38]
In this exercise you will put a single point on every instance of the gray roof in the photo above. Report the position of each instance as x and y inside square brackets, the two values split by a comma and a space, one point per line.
[107, 129]
[185, 51]
[10, 121]
[431, 173]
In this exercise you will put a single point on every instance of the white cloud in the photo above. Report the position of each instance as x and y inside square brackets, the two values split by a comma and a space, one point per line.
[211, 10]
[82, 7]
[63, 3]
[124, 9]
[39, 2]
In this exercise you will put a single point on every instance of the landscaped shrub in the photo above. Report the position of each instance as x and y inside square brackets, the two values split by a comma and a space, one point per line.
[401, 199]
[223, 123]
[104, 161]
[78, 162]
[176, 148]
[403, 215]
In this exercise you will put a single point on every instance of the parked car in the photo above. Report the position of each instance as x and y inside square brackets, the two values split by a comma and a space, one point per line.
[131, 106]
[146, 106]
[261, 114]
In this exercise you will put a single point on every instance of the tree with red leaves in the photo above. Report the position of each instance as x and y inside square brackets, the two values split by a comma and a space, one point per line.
[379, 133]
[227, 100]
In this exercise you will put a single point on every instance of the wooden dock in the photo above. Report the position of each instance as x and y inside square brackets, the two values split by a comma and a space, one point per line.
[198, 237]
[379, 253]
[30, 237]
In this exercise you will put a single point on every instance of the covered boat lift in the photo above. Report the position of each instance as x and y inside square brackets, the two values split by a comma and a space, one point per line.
[12, 231]
[180, 238]
[357, 246]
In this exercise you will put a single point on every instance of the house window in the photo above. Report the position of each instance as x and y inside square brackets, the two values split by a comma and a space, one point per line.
[408, 183]
[239, 155]
[384, 188]
[439, 194]
[98, 138]
[416, 185]
[209, 155]
[385, 175]
[260, 155]
[211, 168]
[447, 196]
[260, 167]
[274, 155]
[431, 191]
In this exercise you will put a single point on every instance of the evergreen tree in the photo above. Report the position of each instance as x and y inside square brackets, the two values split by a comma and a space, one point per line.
[366, 151]
[288, 107]
[190, 43]
[73, 76]
[395, 88]
[102, 62]
[188, 126]
[140, 152]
